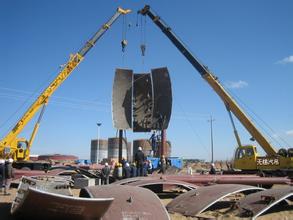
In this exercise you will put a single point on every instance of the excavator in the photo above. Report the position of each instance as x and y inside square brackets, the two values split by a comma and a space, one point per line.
[18, 148]
[246, 157]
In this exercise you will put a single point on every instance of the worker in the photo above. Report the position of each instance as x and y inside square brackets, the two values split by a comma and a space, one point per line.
[189, 170]
[120, 171]
[229, 166]
[160, 120]
[2, 174]
[145, 168]
[126, 171]
[133, 170]
[150, 167]
[123, 162]
[8, 175]
[139, 159]
[168, 163]
[115, 171]
[163, 165]
[153, 140]
[105, 174]
[213, 169]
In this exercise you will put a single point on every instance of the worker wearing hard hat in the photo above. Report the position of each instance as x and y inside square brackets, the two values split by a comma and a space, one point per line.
[139, 159]
[126, 171]
[213, 169]
[105, 174]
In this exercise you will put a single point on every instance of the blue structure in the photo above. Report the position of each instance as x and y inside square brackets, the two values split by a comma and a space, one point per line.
[83, 161]
[175, 162]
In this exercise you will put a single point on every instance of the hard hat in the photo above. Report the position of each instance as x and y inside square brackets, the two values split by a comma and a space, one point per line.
[139, 148]
[127, 164]
[106, 164]
[2, 161]
[10, 160]
[213, 164]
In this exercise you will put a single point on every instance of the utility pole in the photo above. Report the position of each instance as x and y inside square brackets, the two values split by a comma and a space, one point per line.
[98, 142]
[120, 145]
[212, 138]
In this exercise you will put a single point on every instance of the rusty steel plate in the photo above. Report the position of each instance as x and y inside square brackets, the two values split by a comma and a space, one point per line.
[230, 179]
[38, 204]
[142, 102]
[130, 202]
[196, 201]
[258, 203]
[156, 183]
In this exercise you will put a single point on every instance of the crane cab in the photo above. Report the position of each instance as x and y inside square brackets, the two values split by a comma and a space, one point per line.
[22, 150]
[19, 150]
[245, 157]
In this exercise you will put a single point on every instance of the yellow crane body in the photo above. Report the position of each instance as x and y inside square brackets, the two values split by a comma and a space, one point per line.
[11, 146]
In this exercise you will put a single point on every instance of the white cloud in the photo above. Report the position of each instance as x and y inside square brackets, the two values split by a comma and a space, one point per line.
[289, 133]
[236, 85]
[286, 60]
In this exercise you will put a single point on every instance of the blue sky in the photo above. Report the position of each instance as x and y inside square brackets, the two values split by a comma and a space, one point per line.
[247, 44]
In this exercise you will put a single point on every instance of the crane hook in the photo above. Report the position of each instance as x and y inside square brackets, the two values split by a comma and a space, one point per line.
[142, 48]
[124, 44]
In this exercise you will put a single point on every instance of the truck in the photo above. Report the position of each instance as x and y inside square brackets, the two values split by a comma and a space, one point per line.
[246, 157]
[18, 148]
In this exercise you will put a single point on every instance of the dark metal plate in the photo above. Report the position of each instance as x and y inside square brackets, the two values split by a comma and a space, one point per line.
[256, 204]
[142, 102]
[121, 99]
[196, 201]
[162, 98]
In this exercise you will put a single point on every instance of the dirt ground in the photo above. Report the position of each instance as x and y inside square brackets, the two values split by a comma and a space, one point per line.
[5, 203]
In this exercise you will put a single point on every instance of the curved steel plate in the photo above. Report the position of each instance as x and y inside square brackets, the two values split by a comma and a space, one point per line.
[142, 102]
[258, 203]
[162, 98]
[133, 179]
[37, 204]
[122, 98]
[130, 202]
[196, 201]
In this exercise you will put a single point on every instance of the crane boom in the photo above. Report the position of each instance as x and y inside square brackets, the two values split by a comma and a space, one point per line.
[212, 81]
[9, 140]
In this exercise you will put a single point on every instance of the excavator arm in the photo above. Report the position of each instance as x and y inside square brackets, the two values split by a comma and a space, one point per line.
[228, 100]
[9, 145]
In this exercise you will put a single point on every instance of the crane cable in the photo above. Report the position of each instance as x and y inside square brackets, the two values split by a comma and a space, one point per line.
[265, 127]
[143, 36]
[124, 42]
[142, 30]
[26, 103]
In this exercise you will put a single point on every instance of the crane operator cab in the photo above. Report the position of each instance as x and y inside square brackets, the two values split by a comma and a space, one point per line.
[245, 157]
[21, 151]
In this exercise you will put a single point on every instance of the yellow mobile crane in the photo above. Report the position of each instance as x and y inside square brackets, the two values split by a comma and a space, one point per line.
[19, 148]
[246, 156]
